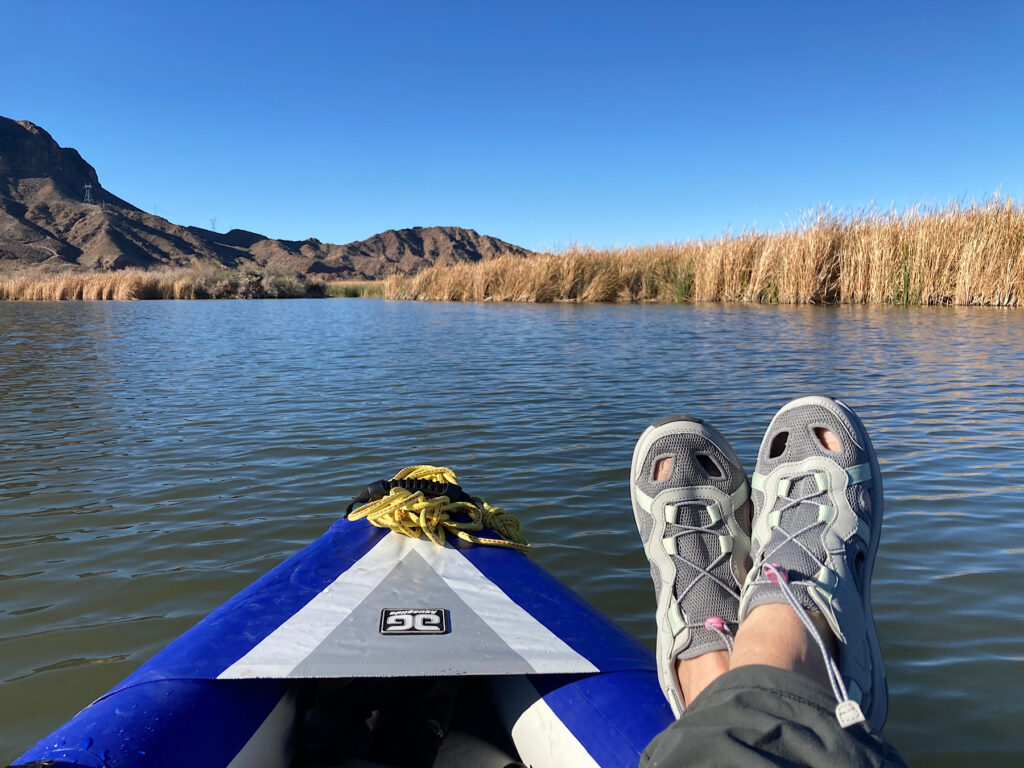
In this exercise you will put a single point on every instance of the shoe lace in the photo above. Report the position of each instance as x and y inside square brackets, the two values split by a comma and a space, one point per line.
[714, 624]
[792, 536]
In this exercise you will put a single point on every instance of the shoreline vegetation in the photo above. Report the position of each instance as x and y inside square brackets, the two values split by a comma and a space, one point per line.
[960, 254]
[181, 283]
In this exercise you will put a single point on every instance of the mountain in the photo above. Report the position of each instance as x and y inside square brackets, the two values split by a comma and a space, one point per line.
[45, 222]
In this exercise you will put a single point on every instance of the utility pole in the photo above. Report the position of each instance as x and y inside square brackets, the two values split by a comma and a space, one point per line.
[213, 224]
[88, 195]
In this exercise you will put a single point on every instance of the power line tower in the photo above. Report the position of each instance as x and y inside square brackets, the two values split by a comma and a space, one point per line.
[88, 195]
[213, 224]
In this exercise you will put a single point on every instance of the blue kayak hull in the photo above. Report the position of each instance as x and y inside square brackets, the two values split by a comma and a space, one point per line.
[570, 686]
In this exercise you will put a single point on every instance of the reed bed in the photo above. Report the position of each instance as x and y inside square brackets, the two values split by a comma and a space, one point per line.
[959, 254]
[354, 289]
[135, 284]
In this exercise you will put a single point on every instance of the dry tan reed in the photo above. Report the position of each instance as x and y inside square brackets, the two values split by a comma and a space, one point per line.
[133, 284]
[964, 254]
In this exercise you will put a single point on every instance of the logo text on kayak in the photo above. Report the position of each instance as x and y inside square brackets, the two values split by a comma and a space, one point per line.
[414, 621]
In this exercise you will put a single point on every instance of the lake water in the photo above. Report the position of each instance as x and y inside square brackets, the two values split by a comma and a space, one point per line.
[156, 457]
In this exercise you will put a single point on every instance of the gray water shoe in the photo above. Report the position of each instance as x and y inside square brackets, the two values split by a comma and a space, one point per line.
[693, 537]
[817, 520]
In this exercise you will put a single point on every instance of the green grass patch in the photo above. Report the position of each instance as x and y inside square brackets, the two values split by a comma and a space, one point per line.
[354, 289]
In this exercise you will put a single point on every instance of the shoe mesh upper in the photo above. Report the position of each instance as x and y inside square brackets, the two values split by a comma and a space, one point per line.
[686, 470]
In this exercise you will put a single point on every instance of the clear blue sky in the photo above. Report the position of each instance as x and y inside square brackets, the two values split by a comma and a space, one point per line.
[540, 123]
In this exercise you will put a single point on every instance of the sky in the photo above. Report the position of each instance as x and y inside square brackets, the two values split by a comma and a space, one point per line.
[546, 124]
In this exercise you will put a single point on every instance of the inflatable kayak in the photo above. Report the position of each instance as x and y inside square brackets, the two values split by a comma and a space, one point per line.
[372, 648]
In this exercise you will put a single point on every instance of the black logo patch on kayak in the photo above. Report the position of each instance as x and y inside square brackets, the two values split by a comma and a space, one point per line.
[414, 621]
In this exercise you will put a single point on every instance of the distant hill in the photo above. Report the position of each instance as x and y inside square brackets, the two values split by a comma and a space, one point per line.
[45, 222]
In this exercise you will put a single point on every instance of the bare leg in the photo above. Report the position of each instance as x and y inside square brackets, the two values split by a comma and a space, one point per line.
[773, 635]
[698, 673]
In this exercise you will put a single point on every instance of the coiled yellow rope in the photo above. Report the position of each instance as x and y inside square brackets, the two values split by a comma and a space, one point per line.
[411, 513]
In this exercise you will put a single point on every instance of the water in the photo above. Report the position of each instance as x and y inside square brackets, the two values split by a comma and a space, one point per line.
[157, 457]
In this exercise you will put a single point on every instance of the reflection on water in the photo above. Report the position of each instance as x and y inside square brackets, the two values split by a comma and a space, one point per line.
[156, 457]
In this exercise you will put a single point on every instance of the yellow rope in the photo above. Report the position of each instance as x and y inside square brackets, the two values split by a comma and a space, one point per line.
[411, 513]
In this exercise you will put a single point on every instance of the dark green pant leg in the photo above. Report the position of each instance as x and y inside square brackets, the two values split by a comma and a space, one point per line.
[764, 716]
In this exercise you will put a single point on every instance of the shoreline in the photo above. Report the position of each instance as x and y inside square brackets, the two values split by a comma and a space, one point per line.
[957, 255]
[185, 283]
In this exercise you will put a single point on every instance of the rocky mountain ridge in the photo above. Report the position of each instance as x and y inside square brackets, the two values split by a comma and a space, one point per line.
[46, 223]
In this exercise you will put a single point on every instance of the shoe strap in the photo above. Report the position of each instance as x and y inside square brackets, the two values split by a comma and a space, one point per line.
[861, 473]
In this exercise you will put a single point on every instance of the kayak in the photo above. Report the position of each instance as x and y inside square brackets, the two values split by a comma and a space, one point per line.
[372, 648]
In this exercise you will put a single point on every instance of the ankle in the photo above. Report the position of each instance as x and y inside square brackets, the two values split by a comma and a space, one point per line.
[773, 635]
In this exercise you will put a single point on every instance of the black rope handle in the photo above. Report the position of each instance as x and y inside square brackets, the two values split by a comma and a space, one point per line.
[431, 489]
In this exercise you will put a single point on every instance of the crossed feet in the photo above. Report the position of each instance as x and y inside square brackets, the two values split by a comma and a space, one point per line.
[772, 634]
[780, 579]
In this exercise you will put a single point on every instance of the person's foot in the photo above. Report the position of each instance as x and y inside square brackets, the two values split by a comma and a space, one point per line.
[689, 492]
[817, 492]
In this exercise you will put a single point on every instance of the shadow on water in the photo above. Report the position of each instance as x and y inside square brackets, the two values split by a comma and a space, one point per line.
[159, 456]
